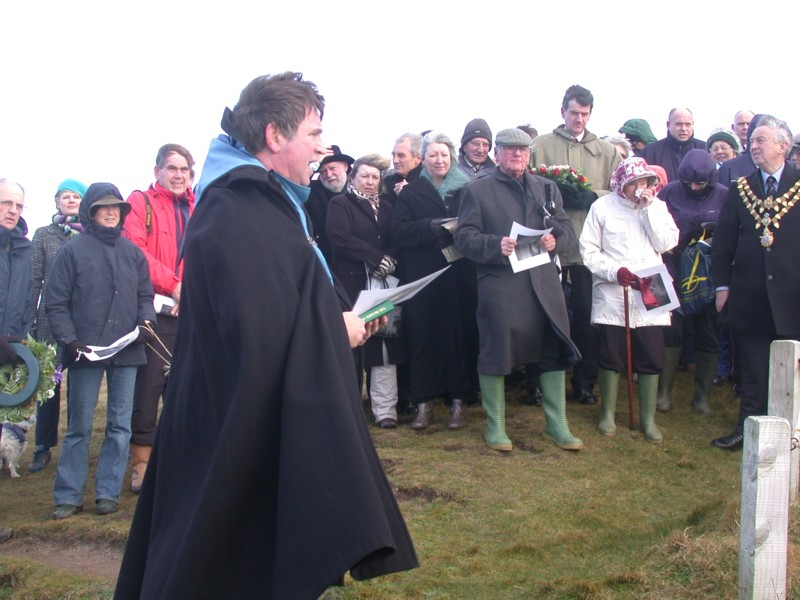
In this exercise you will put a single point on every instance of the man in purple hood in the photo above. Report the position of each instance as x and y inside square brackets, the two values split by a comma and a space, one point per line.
[694, 201]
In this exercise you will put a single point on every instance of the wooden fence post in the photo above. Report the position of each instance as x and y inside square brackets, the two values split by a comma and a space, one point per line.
[764, 530]
[784, 396]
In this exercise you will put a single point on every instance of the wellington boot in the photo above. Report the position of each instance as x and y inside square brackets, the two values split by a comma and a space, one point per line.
[554, 404]
[609, 385]
[424, 415]
[648, 387]
[704, 373]
[139, 457]
[458, 414]
[493, 398]
[671, 358]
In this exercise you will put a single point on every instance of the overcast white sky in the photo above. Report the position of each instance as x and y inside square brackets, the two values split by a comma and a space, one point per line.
[93, 89]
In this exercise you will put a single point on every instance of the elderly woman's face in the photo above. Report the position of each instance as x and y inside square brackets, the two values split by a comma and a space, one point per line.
[630, 190]
[437, 160]
[68, 203]
[721, 151]
[367, 180]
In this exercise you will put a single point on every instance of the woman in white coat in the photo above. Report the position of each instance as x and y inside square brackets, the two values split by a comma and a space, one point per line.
[625, 232]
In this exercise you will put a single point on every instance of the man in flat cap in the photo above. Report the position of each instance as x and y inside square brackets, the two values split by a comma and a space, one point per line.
[329, 180]
[522, 317]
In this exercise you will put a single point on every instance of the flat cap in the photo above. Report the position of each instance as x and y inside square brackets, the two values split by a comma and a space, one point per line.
[513, 137]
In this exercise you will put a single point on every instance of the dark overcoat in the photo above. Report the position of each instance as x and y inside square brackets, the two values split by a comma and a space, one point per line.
[439, 321]
[511, 305]
[358, 243]
[764, 282]
[263, 481]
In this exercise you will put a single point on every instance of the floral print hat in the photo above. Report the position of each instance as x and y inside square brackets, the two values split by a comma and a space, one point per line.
[631, 169]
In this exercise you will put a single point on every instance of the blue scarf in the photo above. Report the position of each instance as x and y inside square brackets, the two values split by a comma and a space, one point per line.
[225, 154]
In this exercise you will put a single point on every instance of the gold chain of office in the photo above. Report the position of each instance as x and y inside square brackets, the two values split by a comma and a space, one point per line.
[769, 211]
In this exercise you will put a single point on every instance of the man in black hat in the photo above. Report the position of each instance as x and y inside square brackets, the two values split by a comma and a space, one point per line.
[473, 156]
[330, 179]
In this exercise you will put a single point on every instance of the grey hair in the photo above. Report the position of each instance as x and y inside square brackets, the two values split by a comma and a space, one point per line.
[620, 140]
[4, 182]
[414, 140]
[437, 137]
[782, 131]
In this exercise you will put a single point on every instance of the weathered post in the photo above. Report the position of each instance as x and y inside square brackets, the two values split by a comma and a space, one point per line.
[764, 535]
[784, 396]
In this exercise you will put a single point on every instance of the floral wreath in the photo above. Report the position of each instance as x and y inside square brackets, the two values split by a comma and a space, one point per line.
[18, 396]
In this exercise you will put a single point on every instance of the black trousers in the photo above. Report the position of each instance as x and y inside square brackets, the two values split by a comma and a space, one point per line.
[150, 380]
[647, 349]
[47, 416]
[578, 288]
[754, 370]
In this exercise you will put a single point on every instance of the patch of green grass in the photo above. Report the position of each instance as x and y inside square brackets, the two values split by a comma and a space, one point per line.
[623, 519]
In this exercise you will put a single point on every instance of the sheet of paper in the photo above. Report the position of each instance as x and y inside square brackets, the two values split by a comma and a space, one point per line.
[527, 253]
[368, 299]
[451, 253]
[163, 304]
[102, 352]
[662, 289]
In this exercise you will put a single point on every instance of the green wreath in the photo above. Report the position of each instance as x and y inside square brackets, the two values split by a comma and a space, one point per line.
[29, 382]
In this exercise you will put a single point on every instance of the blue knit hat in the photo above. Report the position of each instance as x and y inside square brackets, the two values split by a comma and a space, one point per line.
[72, 185]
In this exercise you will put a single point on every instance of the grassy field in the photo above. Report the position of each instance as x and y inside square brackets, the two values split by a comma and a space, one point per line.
[621, 520]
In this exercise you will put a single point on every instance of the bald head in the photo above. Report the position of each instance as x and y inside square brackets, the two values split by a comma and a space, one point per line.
[681, 124]
[741, 121]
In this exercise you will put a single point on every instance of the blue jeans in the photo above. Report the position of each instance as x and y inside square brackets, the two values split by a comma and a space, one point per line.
[73, 464]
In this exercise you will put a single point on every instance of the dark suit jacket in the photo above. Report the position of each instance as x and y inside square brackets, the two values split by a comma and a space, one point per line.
[764, 282]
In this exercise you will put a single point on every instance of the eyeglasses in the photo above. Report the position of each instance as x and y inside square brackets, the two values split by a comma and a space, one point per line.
[516, 149]
[8, 204]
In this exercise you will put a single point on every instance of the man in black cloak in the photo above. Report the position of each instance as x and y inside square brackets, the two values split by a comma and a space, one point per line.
[263, 481]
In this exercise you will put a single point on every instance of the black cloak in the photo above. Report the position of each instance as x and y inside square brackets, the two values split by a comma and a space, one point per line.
[263, 481]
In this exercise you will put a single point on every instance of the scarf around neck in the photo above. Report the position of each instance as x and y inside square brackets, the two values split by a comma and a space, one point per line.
[452, 182]
[70, 224]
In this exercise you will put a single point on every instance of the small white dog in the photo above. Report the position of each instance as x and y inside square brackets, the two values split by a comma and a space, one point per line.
[13, 444]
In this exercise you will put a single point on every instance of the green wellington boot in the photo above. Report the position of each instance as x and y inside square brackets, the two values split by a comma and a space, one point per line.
[493, 398]
[704, 373]
[671, 358]
[648, 389]
[555, 411]
[609, 385]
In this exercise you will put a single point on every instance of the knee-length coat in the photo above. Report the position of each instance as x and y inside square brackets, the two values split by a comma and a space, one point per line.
[513, 307]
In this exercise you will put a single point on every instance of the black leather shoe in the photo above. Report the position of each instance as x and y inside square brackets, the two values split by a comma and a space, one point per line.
[387, 423]
[587, 398]
[732, 442]
[534, 398]
[721, 379]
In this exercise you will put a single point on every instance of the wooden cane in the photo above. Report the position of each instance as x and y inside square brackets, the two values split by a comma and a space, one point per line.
[629, 358]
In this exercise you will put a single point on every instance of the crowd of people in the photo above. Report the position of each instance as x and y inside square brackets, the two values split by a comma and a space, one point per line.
[278, 239]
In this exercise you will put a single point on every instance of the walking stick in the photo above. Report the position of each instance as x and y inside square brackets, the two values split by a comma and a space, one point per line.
[630, 360]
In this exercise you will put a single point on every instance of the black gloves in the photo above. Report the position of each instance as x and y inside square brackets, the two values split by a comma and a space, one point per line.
[74, 349]
[145, 333]
[7, 353]
[441, 237]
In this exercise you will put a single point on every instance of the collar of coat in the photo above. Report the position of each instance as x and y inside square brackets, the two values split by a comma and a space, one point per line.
[590, 142]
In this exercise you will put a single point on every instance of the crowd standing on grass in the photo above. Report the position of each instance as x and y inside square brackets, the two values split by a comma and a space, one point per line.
[288, 231]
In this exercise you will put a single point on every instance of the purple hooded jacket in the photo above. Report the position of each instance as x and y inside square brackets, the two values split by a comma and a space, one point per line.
[690, 209]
